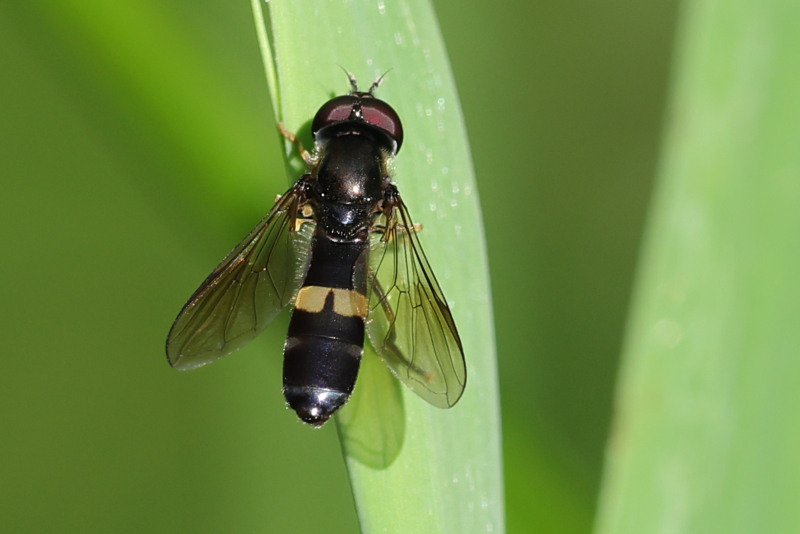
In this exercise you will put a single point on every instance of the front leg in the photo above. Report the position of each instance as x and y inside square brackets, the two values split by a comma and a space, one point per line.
[296, 142]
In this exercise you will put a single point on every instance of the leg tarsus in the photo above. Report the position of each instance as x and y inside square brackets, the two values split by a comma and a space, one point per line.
[296, 142]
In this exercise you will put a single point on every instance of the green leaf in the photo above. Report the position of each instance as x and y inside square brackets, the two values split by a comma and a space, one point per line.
[447, 474]
[706, 434]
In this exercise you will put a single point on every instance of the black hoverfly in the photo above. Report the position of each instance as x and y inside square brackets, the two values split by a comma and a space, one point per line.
[341, 246]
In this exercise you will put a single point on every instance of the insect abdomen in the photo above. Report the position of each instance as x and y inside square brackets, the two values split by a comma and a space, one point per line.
[326, 332]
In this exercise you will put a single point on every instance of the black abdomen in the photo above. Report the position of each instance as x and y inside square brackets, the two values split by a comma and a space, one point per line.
[326, 332]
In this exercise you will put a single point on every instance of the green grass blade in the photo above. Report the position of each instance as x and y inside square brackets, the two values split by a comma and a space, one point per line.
[447, 475]
[706, 435]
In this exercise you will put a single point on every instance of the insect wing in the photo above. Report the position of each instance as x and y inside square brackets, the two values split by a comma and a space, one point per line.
[246, 291]
[409, 322]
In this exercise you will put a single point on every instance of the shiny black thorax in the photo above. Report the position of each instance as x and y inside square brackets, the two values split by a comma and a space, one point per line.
[350, 179]
[325, 342]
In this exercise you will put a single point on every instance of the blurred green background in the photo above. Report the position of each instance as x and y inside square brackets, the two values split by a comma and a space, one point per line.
[117, 120]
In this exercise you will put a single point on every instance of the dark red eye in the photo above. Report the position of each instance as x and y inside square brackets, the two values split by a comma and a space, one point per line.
[334, 110]
[380, 114]
[373, 111]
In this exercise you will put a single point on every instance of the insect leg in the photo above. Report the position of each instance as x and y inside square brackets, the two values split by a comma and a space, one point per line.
[296, 142]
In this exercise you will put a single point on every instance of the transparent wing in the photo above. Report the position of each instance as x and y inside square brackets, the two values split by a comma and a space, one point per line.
[409, 322]
[247, 290]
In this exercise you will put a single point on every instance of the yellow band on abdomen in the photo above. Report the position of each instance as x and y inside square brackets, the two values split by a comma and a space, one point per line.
[346, 302]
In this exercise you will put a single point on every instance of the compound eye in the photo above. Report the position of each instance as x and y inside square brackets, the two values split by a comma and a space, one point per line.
[372, 111]
[380, 114]
[334, 110]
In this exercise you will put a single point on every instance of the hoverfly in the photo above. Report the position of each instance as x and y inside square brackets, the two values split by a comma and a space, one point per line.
[341, 247]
